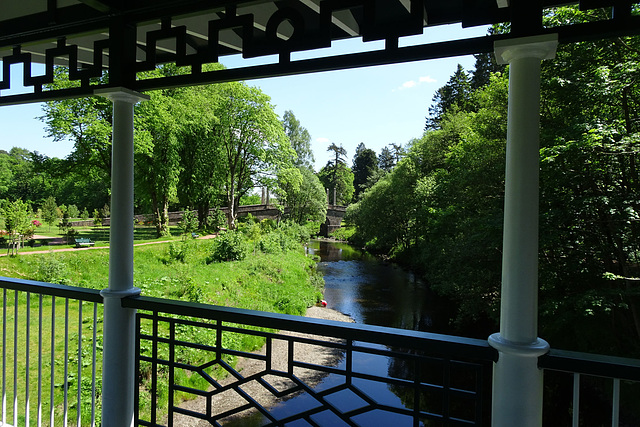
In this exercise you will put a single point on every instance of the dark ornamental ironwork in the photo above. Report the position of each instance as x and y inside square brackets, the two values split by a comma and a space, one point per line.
[185, 362]
[124, 39]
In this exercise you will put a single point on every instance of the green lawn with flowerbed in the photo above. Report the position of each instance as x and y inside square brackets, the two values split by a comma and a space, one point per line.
[260, 267]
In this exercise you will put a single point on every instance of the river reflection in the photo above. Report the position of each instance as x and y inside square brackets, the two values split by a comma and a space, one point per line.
[376, 292]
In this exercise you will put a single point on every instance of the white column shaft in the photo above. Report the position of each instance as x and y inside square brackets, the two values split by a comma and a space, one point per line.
[118, 366]
[517, 381]
[519, 309]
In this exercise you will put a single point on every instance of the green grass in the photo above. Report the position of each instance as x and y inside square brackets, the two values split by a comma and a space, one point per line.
[99, 235]
[283, 282]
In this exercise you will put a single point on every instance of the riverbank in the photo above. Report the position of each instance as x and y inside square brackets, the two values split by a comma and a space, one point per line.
[246, 367]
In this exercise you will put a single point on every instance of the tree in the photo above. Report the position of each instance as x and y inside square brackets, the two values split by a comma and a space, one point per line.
[157, 157]
[304, 196]
[253, 142]
[86, 122]
[17, 222]
[50, 211]
[455, 94]
[299, 139]
[336, 176]
[365, 165]
[201, 179]
[339, 154]
[398, 152]
[339, 178]
[73, 211]
[386, 160]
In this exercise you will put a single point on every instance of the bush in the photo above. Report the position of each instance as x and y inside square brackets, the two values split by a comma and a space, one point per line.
[216, 220]
[343, 233]
[189, 222]
[50, 269]
[230, 246]
[279, 241]
[178, 251]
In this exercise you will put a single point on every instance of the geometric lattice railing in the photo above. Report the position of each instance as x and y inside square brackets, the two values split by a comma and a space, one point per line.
[192, 371]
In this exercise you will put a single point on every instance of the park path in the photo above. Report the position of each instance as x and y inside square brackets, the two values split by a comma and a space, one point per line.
[208, 236]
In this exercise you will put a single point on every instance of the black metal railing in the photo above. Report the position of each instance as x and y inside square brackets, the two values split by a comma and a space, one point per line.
[590, 389]
[190, 362]
[193, 365]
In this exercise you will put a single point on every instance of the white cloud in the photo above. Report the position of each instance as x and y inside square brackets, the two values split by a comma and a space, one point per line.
[427, 79]
[412, 83]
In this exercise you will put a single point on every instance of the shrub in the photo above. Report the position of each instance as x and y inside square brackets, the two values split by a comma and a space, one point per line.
[230, 246]
[279, 241]
[189, 222]
[178, 251]
[216, 220]
[343, 233]
[51, 269]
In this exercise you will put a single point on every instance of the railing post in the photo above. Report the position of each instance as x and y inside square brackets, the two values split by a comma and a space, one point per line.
[517, 381]
[118, 373]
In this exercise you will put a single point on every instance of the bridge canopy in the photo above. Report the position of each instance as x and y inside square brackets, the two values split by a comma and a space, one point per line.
[130, 37]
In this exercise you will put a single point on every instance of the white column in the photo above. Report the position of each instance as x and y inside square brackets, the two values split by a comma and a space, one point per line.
[517, 381]
[118, 368]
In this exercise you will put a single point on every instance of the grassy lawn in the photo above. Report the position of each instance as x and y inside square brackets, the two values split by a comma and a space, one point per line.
[281, 282]
[99, 235]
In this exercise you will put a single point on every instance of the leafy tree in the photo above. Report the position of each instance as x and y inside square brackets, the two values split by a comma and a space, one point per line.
[17, 222]
[50, 211]
[85, 214]
[73, 211]
[299, 138]
[303, 195]
[365, 165]
[19, 180]
[157, 159]
[250, 199]
[86, 122]
[252, 140]
[340, 178]
[455, 94]
[201, 179]
[5, 173]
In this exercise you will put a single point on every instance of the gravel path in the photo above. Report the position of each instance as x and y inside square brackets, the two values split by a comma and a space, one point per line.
[304, 352]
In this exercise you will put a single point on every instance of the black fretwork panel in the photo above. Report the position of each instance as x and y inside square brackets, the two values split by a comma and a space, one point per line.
[191, 371]
[193, 33]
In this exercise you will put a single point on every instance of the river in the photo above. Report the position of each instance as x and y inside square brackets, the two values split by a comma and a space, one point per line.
[375, 292]
[372, 292]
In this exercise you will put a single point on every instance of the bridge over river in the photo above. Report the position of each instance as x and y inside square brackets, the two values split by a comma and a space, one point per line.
[335, 213]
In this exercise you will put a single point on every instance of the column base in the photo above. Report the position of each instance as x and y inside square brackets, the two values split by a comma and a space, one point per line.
[517, 383]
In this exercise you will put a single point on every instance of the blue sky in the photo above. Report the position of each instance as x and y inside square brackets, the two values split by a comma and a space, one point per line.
[375, 105]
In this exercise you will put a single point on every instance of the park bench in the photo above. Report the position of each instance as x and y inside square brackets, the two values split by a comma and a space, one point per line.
[83, 241]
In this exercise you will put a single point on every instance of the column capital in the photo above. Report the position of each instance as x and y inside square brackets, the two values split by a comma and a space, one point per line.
[122, 94]
[540, 47]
